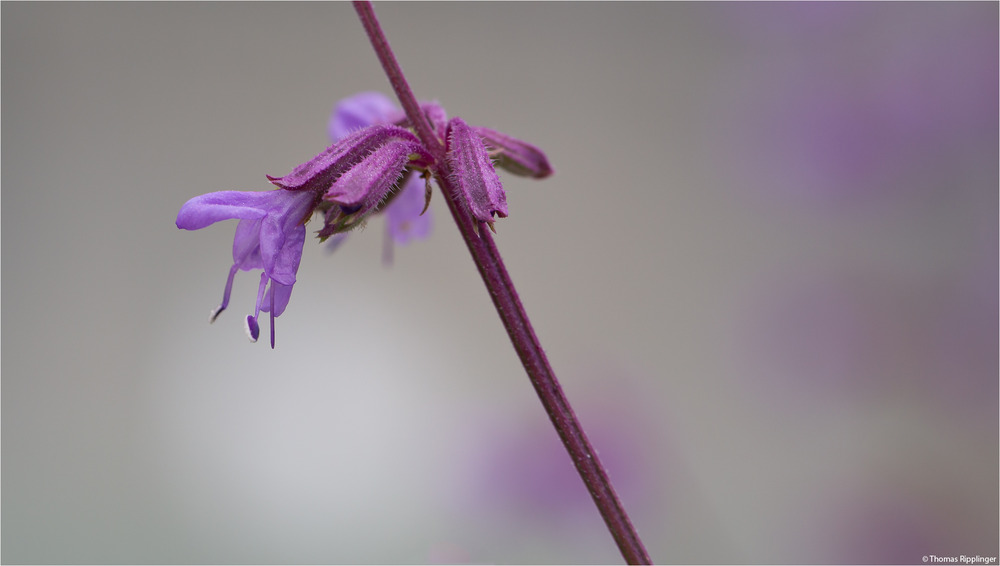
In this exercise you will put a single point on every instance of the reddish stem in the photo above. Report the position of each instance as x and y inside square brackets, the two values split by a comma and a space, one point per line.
[515, 320]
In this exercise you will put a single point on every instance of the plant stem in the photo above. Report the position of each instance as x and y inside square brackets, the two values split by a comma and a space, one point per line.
[487, 258]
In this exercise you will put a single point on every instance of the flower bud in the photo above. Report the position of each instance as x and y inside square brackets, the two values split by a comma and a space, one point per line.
[474, 175]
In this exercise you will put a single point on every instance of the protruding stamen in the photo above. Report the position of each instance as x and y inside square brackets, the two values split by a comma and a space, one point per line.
[428, 191]
[272, 315]
[225, 295]
[260, 293]
[252, 328]
[215, 313]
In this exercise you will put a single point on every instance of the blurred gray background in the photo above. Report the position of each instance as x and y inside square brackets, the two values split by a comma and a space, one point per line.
[765, 271]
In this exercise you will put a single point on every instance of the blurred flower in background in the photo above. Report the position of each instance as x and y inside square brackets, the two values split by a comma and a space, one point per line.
[885, 519]
[854, 335]
[530, 473]
[871, 134]
[857, 104]
[846, 101]
[520, 475]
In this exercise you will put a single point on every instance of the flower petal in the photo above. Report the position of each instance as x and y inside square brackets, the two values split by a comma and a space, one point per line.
[278, 295]
[282, 255]
[204, 210]
[246, 245]
[404, 220]
[282, 234]
[359, 111]
[473, 171]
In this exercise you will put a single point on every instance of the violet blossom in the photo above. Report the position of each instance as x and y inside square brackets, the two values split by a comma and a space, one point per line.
[356, 177]
[354, 174]
[407, 216]
[474, 164]
[270, 236]
[359, 174]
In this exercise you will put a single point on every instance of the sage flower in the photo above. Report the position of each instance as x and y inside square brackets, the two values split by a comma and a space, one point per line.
[407, 217]
[360, 190]
[269, 236]
[471, 153]
[376, 164]
[360, 111]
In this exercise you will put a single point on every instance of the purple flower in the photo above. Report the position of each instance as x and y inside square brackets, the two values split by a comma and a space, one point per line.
[827, 122]
[353, 176]
[403, 217]
[349, 181]
[472, 150]
[270, 236]
[407, 217]
[360, 190]
[360, 111]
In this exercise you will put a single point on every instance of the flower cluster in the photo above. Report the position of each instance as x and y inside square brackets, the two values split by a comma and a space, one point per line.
[376, 164]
